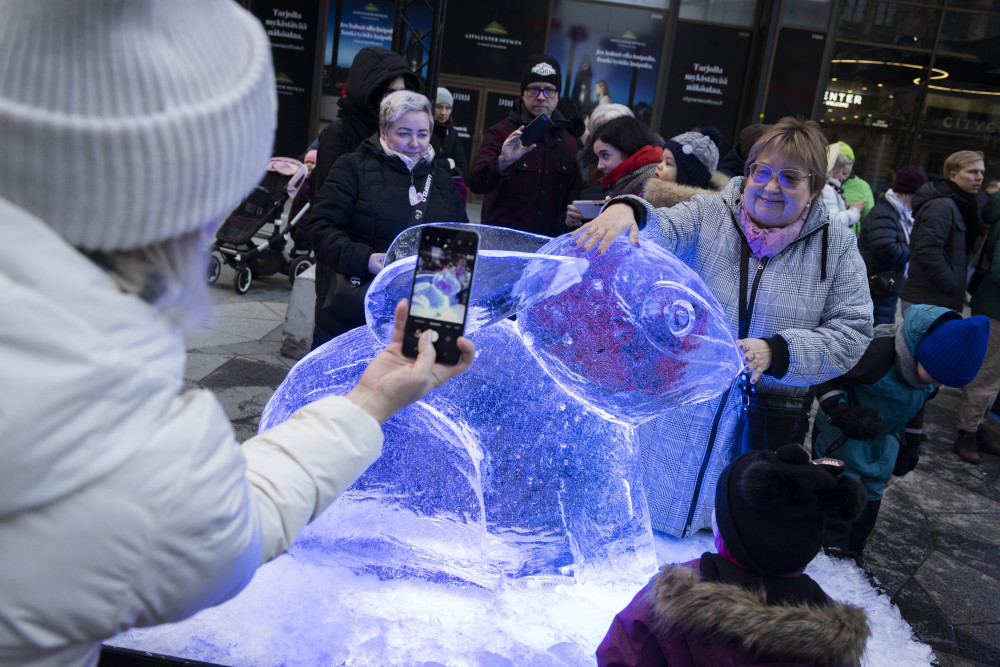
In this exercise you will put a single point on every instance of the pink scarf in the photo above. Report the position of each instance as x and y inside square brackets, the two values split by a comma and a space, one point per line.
[769, 241]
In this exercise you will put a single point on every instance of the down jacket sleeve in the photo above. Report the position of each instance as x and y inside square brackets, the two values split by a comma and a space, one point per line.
[296, 469]
[881, 242]
[332, 216]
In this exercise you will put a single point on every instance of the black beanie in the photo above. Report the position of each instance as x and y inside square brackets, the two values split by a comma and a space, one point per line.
[540, 67]
[771, 508]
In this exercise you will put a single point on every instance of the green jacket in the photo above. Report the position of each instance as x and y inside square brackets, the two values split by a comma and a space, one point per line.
[855, 189]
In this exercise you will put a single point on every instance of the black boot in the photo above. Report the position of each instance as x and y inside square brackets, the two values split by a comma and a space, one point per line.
[965, 446]
[987, 442]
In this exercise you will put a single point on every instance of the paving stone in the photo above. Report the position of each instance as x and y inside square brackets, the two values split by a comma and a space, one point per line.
[951, 582]
[934, 494]
[201, 364]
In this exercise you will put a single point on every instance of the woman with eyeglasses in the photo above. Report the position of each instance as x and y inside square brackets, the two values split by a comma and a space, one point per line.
[794, 289]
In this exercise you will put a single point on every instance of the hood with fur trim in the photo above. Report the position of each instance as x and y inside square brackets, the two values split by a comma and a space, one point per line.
[834, 634]
[663, 194]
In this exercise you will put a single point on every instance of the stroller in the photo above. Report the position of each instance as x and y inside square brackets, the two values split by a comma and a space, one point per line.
[244, 244]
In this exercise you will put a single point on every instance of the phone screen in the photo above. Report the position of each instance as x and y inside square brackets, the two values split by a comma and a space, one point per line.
[439, 296]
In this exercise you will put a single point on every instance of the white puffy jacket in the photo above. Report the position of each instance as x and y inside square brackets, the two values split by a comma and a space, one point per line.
[123, 500]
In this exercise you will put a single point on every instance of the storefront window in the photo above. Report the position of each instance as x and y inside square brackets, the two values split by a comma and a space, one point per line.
[806, 13]
[726, 12]
[872, 104]
[904, 25]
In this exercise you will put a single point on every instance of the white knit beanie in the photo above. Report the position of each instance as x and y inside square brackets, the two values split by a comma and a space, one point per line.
[128, 122]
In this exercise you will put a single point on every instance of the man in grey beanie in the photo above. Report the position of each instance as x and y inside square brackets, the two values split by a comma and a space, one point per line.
[124, 499]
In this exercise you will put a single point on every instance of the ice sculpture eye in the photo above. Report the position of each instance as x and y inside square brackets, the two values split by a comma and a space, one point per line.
[680, 317]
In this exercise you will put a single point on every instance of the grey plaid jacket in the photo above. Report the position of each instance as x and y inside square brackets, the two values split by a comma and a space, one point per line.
[814, 294]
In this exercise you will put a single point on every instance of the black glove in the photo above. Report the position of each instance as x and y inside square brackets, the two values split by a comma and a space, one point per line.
[857, 422]
[908, 455]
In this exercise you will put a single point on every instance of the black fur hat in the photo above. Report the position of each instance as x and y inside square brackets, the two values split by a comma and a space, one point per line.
[771, 508]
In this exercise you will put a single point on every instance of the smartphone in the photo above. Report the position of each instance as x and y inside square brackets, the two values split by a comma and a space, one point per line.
[439, 295]
[591, 208]
[535, 130]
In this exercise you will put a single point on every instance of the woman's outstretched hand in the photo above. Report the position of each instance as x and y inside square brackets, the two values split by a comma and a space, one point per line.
[393, 380]
[756, 356]
[606, 227]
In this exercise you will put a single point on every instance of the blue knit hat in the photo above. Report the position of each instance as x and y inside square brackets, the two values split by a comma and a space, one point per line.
[696, 155]
[953, 351]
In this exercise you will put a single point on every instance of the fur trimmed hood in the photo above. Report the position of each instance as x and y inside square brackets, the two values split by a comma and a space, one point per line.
[663, 194]
[679, 598]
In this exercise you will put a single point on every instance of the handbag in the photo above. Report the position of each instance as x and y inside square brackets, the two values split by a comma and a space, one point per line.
[886, 283]
[765, 422]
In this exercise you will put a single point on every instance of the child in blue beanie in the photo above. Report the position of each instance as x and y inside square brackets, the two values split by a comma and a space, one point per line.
[872, 417]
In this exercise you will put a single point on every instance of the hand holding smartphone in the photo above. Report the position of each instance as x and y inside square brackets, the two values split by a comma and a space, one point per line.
[535, 130]
[439, 295]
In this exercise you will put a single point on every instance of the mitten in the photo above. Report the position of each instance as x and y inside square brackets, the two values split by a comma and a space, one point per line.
[857, 422]
[908, 455]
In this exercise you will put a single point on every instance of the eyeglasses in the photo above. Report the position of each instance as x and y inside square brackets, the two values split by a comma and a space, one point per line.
[790, 179]
[542, 92]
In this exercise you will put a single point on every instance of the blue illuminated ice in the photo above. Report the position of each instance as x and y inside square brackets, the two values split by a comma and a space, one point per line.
[505, 522]
[527, 464]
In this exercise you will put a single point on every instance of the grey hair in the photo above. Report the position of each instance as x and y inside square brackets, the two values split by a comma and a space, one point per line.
[842, 161]
[401, 102]
[170, 275]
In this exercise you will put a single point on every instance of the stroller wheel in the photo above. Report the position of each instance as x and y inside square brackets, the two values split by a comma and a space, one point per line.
[242, 279]
[214, 268]
[298, 265]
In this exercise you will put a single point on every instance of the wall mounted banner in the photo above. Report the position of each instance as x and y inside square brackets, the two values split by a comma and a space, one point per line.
[293, 27]
[358, 24]
[707, 71]
[615, 45]
[491, 40]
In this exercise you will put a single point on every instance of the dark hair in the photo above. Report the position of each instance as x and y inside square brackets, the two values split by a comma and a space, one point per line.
[626, 134]
[802, 141]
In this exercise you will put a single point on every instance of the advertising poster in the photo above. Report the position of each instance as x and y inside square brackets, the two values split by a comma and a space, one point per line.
[498, 105]
[353, 25]
[706, 80]
[607, 53]
[294, 30]
[491, 40]
[793, 84]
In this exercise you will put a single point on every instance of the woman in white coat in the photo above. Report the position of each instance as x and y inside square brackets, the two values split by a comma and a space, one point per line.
[838, 170]
[130, 128]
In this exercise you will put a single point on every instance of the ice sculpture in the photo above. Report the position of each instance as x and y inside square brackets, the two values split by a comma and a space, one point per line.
[639, 335]
[526, 465]
[482, 482]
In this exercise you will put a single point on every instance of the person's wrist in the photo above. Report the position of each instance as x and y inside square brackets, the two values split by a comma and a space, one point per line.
[368, 400]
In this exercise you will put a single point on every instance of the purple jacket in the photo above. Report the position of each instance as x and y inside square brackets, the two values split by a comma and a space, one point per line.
[683, 619]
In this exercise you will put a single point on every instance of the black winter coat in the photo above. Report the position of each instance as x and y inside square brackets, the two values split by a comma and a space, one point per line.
[938, 250]
[883, 243]
[371, 71]
[447, 144]
[534, 194]
[362, 207]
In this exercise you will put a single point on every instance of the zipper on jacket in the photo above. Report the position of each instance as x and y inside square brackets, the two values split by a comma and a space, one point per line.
[744, 327]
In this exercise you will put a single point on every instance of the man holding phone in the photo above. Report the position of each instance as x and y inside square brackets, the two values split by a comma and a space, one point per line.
[528, 186]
